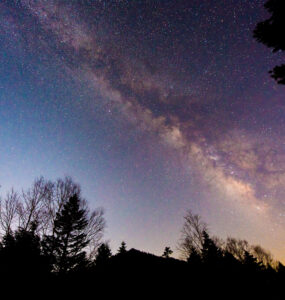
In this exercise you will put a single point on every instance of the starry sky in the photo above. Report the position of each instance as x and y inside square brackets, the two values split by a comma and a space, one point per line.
[154, 107]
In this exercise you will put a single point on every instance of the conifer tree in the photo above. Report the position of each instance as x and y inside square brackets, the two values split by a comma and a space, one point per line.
[194, 258]
[66, 246]
[211, 254]
[250, 262]
[123, 248]
[103, 254]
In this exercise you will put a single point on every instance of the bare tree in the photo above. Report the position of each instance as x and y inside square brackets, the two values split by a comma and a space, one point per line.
[191, 235]
[219, 242]
[41, 204]
[263, 256]
[94, 229]
[32, 207]
[237, 247]
[8, 211]
[64, 189]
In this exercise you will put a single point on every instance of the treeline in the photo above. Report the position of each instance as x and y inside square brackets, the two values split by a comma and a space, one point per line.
[51, 238]
[195, 232]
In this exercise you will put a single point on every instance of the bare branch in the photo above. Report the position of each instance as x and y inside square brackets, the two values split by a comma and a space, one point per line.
[33, 204]
[40, 205]
[94, 230]
[263, 256]
[237, 247]
[8, 211]
[191, 235]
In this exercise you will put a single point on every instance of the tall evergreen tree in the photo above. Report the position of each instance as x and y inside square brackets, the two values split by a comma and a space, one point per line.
[211, 254]
[250, 262]
[103, 255]
[123, 248]
[66, 246]
[194, 259]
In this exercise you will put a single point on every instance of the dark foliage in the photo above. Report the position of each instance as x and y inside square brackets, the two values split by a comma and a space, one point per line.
[103, 255]
[65, 246]
[214, 273]
[59, 262]
[271, 33]
[21, 258]
[194, 259]
[211, 254]
[167, 252]
[123, 248]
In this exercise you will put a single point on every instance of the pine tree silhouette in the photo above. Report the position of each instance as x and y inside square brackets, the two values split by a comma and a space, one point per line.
[211, 254]
[103, 255]
[66, 246]
[194, 259]
[123, 248]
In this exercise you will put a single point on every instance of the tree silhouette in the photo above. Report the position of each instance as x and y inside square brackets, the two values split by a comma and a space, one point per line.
[167, 252]
[237, 247]
[264, 257]
[191, 235]
[21, 254]
[69, 239]
[213, 266]
[8, 211]
[103, 254]
[194, 258]
[41, 203]
[251, 263]
[123, 248]
[211, 254]
[271, 33]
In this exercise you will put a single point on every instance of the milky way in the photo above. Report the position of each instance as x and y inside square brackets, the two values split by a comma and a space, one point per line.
[182, 89]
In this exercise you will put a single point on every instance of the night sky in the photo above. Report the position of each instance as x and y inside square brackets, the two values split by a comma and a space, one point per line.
[154, 107]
